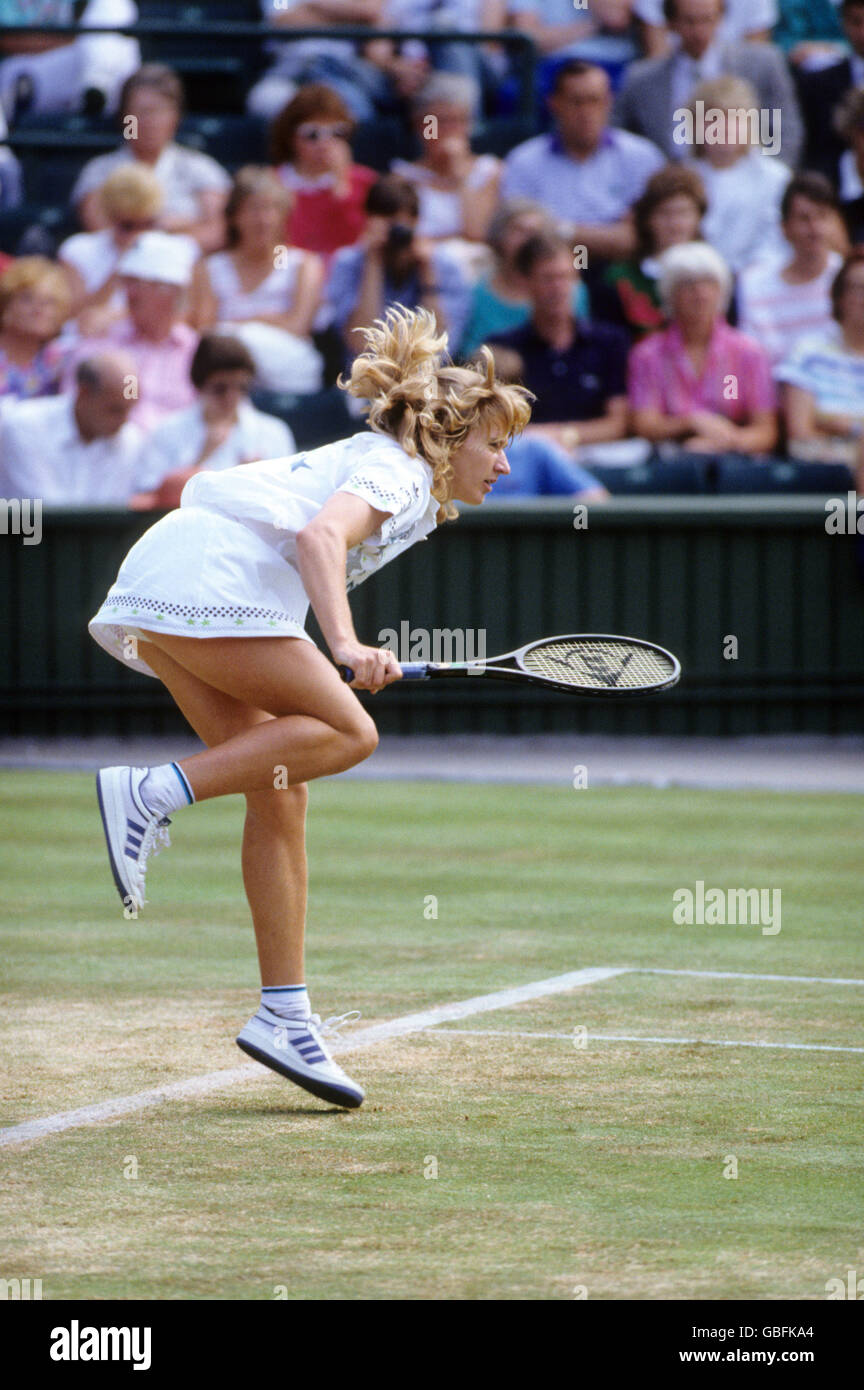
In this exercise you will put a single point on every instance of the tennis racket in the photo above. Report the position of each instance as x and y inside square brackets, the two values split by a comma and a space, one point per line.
[587, 664]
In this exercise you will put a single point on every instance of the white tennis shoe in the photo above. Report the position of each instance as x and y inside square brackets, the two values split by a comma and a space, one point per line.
[132, 831]
[295, 1048]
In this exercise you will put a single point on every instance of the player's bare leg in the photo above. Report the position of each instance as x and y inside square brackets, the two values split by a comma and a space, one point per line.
[283, 1034]
[274, 832]
[319, 728]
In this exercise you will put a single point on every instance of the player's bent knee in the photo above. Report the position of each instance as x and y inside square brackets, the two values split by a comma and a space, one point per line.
[362, 740]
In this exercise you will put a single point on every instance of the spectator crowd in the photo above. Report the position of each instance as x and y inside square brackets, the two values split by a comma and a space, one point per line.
[672, 261]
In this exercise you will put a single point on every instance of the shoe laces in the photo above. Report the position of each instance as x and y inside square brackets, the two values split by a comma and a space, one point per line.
[331, 1026]
[156, 838]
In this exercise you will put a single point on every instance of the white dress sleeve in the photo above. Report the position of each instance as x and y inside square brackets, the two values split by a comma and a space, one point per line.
[388, 485]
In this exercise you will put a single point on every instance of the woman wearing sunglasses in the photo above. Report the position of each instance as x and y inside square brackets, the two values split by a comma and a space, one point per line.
[131, 201]
[311, 151]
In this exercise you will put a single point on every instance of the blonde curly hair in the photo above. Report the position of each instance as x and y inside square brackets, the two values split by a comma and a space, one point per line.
[415, 394]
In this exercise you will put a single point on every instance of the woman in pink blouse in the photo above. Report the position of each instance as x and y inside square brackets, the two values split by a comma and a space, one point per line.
[700, 383]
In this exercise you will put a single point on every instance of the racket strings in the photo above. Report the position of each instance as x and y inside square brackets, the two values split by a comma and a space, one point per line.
[599, 665]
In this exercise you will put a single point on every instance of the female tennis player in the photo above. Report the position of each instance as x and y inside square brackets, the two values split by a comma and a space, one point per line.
[212, 600]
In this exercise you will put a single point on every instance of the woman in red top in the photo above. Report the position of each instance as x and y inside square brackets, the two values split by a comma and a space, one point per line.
[310, 148]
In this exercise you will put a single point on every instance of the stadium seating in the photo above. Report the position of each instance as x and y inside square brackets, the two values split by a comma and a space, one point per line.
[51, 157]
[737, 474]
[376, 143]
[218, 73]
[232, 139]
[216, 76]
[723, 474]
[239, 11]
[35, 229]
[688, 475]
[52, 153]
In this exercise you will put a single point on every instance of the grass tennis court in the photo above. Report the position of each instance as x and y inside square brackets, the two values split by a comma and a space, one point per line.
[560, 1167]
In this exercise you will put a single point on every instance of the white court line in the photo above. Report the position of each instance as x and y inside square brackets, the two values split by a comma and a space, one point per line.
[363, 1037]
[632, 1037]
[745, 975]
[367, 1037]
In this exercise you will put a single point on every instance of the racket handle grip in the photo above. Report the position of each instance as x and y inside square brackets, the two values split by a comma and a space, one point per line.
[411, 671]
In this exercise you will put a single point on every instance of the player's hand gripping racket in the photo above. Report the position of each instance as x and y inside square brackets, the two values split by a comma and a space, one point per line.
[587, 664]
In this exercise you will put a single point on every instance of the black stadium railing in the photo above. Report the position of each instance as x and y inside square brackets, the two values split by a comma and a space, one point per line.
[218, 80]
[523, 46]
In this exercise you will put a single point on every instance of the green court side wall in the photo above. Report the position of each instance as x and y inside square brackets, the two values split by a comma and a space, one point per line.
[687, 573]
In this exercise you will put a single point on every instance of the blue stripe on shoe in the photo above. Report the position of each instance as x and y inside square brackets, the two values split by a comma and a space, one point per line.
[182, 779]
[130, 825]
[332, 1090]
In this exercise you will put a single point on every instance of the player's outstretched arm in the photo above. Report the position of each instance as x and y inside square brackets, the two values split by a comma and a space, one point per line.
[322, 547]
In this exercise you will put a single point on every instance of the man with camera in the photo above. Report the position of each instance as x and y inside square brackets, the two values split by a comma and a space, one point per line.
[391, 264]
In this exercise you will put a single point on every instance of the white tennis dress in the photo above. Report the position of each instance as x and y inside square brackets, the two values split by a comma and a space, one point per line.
[225, 562]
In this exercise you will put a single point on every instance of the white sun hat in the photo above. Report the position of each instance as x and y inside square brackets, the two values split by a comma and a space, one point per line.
[160, 256]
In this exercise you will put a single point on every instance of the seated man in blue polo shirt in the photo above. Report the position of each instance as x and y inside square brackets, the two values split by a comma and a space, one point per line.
[577, 370]
[586, 172]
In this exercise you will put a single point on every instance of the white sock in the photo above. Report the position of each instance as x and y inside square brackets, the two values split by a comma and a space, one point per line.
[165, 789]
[288, 1001]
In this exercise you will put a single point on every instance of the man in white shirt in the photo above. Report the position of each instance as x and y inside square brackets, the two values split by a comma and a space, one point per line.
[221, 430]
[76, 450]
[585, 169]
